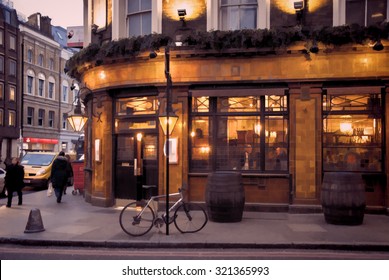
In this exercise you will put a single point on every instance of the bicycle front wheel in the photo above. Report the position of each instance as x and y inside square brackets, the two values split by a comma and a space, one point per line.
[190, 217]
[136, 220]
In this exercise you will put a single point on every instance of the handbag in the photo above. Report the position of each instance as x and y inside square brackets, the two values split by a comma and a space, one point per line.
[70, 181]
[50, 190]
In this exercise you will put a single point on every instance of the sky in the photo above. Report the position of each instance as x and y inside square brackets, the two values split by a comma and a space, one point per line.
[63, 13]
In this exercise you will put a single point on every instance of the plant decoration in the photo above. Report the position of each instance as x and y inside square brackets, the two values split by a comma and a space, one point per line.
[219, 41]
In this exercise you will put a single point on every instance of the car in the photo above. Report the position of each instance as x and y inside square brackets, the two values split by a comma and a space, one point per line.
[2, 183]
[37, 168]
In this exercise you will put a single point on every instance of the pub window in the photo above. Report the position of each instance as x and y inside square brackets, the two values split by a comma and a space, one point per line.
[366, 12]
[238, 14]
[138, 17]
[239, 133]
[352, 132]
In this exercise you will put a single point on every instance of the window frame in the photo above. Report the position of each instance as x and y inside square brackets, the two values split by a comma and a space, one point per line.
[140, 12]
[240, 6]
[30, 116]
[41, 117]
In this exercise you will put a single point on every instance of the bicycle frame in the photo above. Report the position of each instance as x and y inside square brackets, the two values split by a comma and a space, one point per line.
[155, 198]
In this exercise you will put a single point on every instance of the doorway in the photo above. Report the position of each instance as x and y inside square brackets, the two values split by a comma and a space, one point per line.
[136, 165]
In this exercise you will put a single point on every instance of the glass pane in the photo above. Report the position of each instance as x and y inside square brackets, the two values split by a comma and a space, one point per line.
[150, 147]
[276, 135]
[276, 103]
[134, 25]
[200, 144]
[146, 23]
[137, 106]
[125, 148]
[239, 104]
[133, 6]
[376, 11]
[200, 104]
[352, 159]
[237, 145]
[248, 17]
[145, 5]
[355, 12]
[230, 18]
[370, 102]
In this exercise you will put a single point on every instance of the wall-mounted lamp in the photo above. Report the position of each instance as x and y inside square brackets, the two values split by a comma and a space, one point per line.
[78, 119]
[182, 14]
[378, 46]
[299, 8]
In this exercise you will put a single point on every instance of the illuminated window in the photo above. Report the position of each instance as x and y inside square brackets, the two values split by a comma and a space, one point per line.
[352, 132]
[1, 117]
[248, 133]
[12, 93]
[12, 118]
[1, 91]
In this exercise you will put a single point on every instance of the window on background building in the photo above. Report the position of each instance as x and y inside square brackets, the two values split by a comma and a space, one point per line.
[41, 87]
[64, 121]
[30, 84]
[51, 118]
[138, 17]
[239, 133]
[1, 91]
[12, 118]
[238, 14]
[30, 116]
[40, 60]
[51, 90]
[7, 16]
[29, 56]
[366, 12]
[41, 117]
[1, 37]
[65, 93]
[352, 132]
[12, 42]
[12, 68]
[12, 93]
[51, 64]
[1, 117]
[1, 64]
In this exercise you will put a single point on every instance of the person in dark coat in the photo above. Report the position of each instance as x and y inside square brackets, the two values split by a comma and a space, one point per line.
[14, 181]
[59, 175]
[70, 174]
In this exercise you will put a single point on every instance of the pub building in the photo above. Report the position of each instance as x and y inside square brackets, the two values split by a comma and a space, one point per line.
[283, 116]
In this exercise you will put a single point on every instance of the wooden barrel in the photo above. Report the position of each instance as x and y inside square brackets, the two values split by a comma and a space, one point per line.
[343, 198]
[225, 197]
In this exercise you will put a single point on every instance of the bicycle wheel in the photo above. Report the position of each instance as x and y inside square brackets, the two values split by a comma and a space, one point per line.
[190, 217]
[132, 223]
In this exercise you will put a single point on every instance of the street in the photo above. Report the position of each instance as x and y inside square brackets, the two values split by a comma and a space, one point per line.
[16, 252]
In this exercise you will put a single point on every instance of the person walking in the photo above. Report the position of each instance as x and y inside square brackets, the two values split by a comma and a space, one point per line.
[14, 181]
[59, 175]
[70, 173]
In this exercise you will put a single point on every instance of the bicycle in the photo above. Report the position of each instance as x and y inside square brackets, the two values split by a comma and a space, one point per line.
[137, 220]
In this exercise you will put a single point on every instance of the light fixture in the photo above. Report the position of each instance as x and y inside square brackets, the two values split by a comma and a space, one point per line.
[378, 46]
[77, 120]
[298, 5]
[182, 14]
[168, 121]
[299, 8]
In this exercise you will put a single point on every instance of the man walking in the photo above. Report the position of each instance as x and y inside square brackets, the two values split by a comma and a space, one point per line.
[59, 175]
[14, 181]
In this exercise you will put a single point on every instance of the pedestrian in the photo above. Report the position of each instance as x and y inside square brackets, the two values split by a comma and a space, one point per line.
[14, 181]
[71, 174]
[59, 175]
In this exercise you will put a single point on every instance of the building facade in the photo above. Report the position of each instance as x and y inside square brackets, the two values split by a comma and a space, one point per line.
[10, 98]
[47, 93]
[280, 113]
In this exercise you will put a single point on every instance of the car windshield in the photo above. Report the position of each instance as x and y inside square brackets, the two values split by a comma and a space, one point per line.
[37, 159]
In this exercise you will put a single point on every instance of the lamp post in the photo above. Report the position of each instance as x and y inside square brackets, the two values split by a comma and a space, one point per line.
[167, 120]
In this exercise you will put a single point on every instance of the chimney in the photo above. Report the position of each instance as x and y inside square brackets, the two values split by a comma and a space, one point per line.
[46, 26]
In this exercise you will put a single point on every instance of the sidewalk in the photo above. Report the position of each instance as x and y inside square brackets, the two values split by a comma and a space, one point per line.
[76, 223]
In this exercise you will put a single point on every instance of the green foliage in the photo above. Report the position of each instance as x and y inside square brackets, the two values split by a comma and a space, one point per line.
[220, 41]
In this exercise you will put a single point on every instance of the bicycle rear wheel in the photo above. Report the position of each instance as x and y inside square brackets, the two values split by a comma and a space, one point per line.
[190, 217]
[134, 224]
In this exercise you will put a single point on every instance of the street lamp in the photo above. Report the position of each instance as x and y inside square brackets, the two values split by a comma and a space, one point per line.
[167, 120]
[77, 120]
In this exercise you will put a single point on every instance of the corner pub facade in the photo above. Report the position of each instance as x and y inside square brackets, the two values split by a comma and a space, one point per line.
[302, 113]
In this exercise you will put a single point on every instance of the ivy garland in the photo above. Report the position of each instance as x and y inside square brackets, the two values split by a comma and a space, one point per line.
[219, 41]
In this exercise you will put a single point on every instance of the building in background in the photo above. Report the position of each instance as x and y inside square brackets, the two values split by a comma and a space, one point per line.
[10, 97]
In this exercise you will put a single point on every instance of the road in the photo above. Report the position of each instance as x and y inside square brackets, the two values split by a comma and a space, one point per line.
[17, 252]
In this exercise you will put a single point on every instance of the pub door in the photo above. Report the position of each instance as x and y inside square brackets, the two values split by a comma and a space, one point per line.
[136, 165]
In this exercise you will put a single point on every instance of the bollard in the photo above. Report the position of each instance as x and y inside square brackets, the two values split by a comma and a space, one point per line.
[34, 223]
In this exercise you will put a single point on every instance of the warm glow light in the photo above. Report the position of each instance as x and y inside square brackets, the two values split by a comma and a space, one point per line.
[77, 122]
[193, 134]
[257, 128]
[163, 120]
[139, 137]
[346, 127]
[205, 150]
[102, 75]
[287, 6]
[194, 9]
